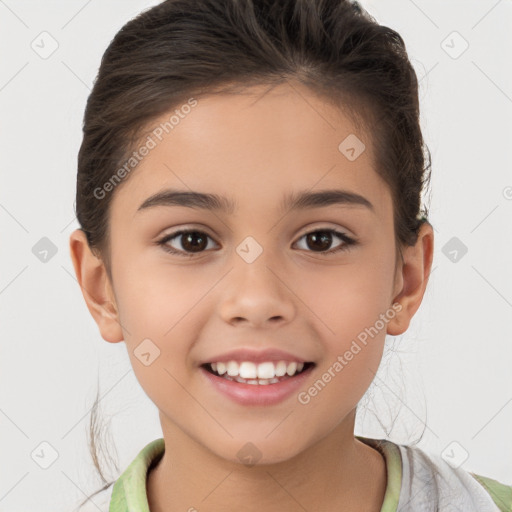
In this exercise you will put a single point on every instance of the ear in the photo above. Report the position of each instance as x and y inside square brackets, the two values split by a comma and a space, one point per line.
[96, 287]
[411, 279]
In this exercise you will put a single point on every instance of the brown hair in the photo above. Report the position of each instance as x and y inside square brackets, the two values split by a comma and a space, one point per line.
[182, 48]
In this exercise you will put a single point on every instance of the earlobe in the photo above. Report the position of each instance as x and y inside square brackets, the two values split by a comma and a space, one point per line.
[413, 276]
[96, 288]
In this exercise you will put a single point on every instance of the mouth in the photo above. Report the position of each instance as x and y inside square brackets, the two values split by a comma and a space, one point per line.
[262, 374]
[256, 384]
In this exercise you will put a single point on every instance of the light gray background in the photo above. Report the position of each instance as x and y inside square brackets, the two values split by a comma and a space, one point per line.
[449, 374]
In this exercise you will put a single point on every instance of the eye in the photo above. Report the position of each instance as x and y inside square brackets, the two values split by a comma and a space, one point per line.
[322, 239]
[192, 241]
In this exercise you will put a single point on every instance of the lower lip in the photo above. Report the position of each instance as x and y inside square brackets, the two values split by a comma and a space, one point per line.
[257, 394]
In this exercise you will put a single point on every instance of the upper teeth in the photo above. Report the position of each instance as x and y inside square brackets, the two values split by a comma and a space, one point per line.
[249, 370]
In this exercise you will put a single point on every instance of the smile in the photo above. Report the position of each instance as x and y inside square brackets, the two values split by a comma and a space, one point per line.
[247, 372]
[262, 384]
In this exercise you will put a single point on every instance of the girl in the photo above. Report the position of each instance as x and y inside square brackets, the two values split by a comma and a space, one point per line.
[249, 189]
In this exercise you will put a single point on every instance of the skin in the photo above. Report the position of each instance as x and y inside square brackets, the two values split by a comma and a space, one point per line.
[256, 147]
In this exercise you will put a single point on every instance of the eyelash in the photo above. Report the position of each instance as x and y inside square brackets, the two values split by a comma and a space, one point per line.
[348, 241]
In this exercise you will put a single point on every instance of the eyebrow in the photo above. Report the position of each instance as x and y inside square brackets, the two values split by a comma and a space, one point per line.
[293, 201]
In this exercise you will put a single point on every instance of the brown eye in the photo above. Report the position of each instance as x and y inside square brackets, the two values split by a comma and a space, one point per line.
[321, 240]
[188, 241]
[194, 241]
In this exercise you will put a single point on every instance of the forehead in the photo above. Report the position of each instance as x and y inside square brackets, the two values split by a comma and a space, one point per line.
[254, 146]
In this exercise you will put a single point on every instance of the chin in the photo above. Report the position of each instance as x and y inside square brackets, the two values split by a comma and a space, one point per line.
[260, 452]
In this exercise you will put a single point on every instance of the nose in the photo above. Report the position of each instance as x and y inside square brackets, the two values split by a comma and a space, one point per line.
[255, 294]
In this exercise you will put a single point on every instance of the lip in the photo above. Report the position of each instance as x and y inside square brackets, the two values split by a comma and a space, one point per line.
[255, 356]
[257, 394]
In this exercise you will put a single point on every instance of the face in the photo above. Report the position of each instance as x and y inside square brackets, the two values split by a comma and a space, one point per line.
[306, 280]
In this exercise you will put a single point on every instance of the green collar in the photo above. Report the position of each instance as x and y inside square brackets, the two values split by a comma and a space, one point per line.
[129, 491]
[393, 459]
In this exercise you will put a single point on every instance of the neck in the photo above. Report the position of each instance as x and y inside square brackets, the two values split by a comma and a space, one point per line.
[336, 473]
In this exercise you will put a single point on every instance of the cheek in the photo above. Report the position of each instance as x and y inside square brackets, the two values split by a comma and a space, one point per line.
[156, 300]
[349, 305]
[158, 312]
[348, 299]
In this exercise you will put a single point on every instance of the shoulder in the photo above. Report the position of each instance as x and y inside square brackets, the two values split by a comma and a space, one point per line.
[97, 502]
[499, 492]
[429, 474]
